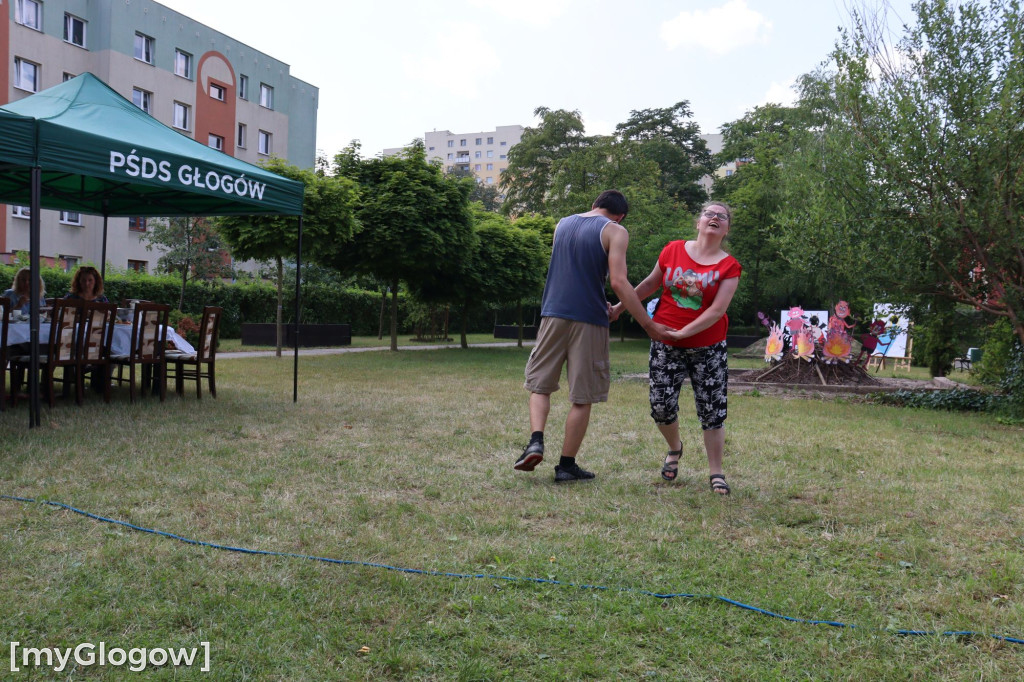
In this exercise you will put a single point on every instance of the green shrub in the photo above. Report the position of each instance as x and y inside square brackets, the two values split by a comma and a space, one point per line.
[956, 400]
[1012, 386]
[256, 301]
[995, 353]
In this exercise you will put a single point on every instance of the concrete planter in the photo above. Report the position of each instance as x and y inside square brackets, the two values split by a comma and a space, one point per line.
[511, 331]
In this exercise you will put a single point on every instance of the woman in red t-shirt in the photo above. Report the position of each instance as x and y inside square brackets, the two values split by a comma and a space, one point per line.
[697, 281]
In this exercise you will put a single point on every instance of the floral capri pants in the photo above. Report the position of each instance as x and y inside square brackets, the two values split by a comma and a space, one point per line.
[708, 370]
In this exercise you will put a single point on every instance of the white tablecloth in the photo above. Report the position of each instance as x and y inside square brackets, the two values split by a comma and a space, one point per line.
[18, 332]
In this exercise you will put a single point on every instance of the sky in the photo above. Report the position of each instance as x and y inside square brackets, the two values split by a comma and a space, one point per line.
[390, 70]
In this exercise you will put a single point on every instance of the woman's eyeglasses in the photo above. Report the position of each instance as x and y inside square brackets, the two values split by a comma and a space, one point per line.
[716, 214]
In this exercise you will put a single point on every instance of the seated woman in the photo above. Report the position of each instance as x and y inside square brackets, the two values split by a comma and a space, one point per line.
[87, 285]
[19, 294]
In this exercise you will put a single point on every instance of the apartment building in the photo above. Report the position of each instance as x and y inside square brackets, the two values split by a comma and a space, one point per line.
[484, 153]
[203, 83]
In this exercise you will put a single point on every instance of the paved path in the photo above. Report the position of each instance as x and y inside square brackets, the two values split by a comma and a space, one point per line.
[305, 352]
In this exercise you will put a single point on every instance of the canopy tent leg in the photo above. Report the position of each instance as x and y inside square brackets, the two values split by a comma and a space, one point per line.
[298, 306]
[33, 321]
[103, 256]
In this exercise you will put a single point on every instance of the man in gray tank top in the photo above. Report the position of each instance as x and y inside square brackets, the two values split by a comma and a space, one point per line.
[587, 249]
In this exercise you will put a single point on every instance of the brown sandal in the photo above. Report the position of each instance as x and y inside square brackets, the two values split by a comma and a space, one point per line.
[669, 470]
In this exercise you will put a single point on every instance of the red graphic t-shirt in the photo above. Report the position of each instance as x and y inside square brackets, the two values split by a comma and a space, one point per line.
[688, 289]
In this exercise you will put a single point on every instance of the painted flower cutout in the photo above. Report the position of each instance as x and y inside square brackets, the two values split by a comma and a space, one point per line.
[803, 345]
[773, 349]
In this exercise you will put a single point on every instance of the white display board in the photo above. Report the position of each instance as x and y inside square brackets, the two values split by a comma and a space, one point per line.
[897, 347]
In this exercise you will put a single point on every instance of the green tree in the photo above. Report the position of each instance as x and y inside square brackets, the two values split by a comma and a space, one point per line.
[762, 143]
[415, 221]
[189, 247]
[513, 260]
[919, 159]
[532, 161]
[328, 224]
[667, 138]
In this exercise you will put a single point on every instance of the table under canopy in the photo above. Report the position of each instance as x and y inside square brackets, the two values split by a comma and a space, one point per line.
[19, 332]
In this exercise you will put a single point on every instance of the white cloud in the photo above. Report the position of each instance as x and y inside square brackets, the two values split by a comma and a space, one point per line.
[593, 126]
[454, 65]
[718, 30]
[535, 12]
[781, 93]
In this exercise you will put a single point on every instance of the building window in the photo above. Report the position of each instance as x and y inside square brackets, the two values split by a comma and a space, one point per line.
[181, 116]
[143, 100]
[67, 77]
[503, 143]
[243, 87]
[476, 155]
[137, 224]
[26, 75]
[74, 30]
[241, 135]
[502, 157]
[29, 13]
[490, 153]
[216, 141]
[144, 48]
[479, 140]
[462, 143]
[490, 140]
[265, 143]
[450, 156]
[182, 64]
[490, 166]
[266, 96]
[451, 143]
[476, 167]
[70, 218]
[217, 92]
[138, 265]
[430, 149]
[21, 212]
[70, 262]
[490, 180]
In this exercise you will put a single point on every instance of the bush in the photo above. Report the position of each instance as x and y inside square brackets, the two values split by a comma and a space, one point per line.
[995, 353]
[185, 325]
[957, 399]
[1012, 386]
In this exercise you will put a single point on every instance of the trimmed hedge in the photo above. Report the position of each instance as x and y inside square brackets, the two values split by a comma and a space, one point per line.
[253, 301]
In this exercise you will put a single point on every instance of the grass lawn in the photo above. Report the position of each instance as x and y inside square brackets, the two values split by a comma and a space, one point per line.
[844, 511]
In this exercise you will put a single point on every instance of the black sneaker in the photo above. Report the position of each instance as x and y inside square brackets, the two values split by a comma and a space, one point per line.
[531, 457]
[571, 473]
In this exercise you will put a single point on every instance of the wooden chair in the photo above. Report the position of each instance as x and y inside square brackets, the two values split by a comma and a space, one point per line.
[5, 319]
[96, 332]
[148, 344]
[61, 351]
[190, 365]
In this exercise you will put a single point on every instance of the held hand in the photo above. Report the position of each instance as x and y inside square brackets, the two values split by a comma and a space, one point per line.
[614, 311]
[676, 335]
[659, 332]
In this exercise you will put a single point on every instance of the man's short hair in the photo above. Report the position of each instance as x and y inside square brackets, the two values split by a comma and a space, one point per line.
[613, 201]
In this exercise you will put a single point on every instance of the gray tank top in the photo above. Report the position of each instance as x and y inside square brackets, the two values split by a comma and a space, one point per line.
[579, 267]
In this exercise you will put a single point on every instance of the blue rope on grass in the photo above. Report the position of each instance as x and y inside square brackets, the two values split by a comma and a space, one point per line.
[488, 576]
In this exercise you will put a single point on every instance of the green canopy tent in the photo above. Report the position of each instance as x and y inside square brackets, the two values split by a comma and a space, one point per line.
[18, 135]
[80, 146]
